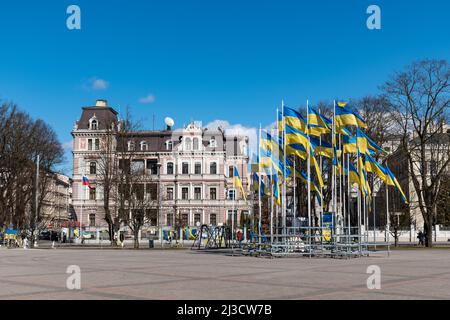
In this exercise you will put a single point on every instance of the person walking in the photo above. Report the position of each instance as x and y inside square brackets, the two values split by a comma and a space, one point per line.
[421, 237]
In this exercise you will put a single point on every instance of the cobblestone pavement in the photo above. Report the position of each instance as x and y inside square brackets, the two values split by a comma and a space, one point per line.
[186, 274]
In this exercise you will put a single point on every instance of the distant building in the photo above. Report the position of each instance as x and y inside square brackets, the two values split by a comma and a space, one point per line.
[186, 173]
[57, 202]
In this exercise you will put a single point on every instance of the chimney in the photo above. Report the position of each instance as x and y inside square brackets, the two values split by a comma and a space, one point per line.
[101, 103]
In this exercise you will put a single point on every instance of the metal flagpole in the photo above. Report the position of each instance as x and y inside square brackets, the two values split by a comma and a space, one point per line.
[333, 180]
[284, 207]
[349, 195]
[295, 195]
[234, 205]
[321, 191]
[341, 200]
[309, 180]
[259, 188]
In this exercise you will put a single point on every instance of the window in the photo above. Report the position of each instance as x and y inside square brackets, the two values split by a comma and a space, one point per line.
[185, 193]
[169, 193]
[151, 190]
[170, 168]
[92, 219]
[231, 194]
[197, 193]
[97, 144]
[93, 123]
[152, 166]
[137, 166]
[198, 168]
[138, 191]
[213, 168]
[169, 219]
[124, 165]
[185, 168]
[212, 142]
[197, 218]
[92, 194]
[169, 145]
[93, 168]
[195, 143]
[213, 219]
[230, 171]
[89, 144]
[144, 146]
[188, 144]
[130, 146]
[185, 219]
[232, 218]
[213, 194]
[152, 215]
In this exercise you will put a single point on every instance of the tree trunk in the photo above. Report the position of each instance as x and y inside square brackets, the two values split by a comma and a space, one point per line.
[428, 228]
[136, 238]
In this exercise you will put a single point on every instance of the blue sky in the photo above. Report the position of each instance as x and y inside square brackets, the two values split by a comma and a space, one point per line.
[206, 59]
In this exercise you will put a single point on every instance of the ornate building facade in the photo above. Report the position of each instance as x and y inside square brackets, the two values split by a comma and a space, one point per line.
[186, 175]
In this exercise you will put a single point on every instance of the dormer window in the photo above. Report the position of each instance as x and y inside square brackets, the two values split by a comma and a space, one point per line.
[93, 123]
[195, 143]
[130, 146]
[144, 146]
[169, 145]
[213, 142]
[188, 144]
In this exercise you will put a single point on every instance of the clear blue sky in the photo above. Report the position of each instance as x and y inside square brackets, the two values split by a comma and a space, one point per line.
[232, 60]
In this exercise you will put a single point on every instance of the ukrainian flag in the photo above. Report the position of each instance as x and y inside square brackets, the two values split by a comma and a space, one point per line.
[276, 189]
[295, 136]
[256, 185]
[347, 117]
[238, 182]
[363, 176]
[296, 149]
[392, 181]
[294, 119]
[322, 148]
[280, 122]
[318, 123]
[373, 166]
[365, 143]
[349, 143]
[353, 175]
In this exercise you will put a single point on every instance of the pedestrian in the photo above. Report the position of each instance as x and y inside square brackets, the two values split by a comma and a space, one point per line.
[420, 236]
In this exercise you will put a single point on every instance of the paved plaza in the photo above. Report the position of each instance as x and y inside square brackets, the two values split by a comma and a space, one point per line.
[186, 274]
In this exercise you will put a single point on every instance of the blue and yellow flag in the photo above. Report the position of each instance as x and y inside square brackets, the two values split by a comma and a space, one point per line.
[347, 117]
[353, 175]
[304, 177]
[318, 123]
[294, 119]
[349, 143]
[295, 136]
[296, 149]
[373, 166]
[238, 182]
[392, 181]
[256, 184]
[365, 143]
[276, 189]
[321, 148]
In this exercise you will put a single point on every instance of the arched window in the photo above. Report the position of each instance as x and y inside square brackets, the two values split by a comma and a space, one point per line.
[212, 142]
[213, 168]
[93, 123]
[195, 143]
[170, 168]
[144, 146]
[188, 144]
[93, 168]
[130, 146]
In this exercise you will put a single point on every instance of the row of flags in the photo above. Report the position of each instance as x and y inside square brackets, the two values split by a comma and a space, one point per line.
[297, 136]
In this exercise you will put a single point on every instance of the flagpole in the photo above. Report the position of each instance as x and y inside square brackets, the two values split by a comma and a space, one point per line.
[284, 208]
[259, 188]
[349, 201]
[387, 212]
[333, 180]
[234, 205]
[341, 200]
[321, 191]
[295, 204]
[309, 180]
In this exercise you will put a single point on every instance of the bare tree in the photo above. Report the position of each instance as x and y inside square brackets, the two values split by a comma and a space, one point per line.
[420, 97]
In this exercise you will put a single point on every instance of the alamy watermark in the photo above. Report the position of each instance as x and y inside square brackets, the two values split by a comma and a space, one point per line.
[73, 282]
[374, 20]
[73, 22]
[374, 280]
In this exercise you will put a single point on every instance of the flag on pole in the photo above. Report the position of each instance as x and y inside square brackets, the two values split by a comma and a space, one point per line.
[294, 119]
[318, 123]
[276, 189]
[238, 182]
[347, 117]
[365, 143]
[86, 182]
[392, 181]
[257, 185]
[373, 166]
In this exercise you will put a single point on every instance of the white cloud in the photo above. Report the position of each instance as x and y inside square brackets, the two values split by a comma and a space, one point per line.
[95, 84]
[150, 98]
[237, 129]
